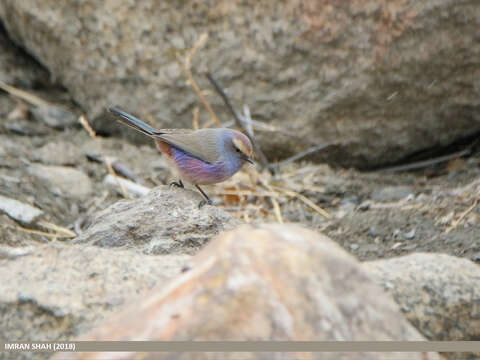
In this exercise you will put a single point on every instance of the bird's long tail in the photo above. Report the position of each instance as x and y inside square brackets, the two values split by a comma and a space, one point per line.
[135, 123]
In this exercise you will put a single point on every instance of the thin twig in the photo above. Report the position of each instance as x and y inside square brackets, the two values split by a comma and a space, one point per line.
[30, 98]
[187, 67]
[300, 155]
[247, 120]
[425, 163]
[196, 111]
[263, 159]
[83, 120]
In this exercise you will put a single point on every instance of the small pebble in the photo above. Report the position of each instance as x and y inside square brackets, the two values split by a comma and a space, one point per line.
[409, 235]
[396, 245]
[391, 193]
[373, 231]
[19, 211]
[364, 206]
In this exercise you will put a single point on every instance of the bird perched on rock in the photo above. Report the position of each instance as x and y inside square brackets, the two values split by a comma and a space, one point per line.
[200, 157]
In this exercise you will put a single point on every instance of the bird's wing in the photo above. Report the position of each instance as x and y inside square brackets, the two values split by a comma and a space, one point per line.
[200, 144]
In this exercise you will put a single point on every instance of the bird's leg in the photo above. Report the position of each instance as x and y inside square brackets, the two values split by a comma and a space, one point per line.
[207, 199]
[177, 184]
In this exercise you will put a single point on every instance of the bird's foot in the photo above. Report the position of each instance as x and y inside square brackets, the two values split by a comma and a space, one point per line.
[177, 184]
[204, 202]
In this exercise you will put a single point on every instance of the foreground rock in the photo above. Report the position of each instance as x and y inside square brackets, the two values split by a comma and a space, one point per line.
[55, 292]
[439, 294]
[379, 79]
[271, 282]
[164, 221]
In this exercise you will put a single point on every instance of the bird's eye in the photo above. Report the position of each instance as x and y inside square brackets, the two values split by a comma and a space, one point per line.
[237, 150]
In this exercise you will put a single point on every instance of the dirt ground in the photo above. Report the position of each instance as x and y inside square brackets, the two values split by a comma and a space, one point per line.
[371, 214]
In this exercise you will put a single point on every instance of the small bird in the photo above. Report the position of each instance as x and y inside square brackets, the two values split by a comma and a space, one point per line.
[200, 157]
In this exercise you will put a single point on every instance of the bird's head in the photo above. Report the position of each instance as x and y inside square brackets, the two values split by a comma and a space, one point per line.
[242, 146]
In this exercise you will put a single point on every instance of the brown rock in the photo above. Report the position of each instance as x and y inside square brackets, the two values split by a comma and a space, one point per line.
[439, 294]
[270, 282]
[164, 221]
[378, 79]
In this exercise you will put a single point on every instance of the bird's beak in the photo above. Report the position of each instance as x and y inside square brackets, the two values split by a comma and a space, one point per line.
[246, 158]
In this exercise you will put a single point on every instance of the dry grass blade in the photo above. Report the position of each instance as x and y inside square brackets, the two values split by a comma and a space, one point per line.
[187, 67]
[460, 219]
[195, 125]
[38, 232]
[202, 39]
[83, 120]
[59, 230]
[276, 210]
[30, 98]
[304, 199]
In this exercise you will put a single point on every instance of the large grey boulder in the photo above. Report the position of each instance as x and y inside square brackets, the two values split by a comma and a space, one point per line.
[378, 79]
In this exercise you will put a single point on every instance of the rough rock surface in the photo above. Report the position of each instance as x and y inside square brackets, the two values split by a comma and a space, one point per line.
[62, 180]
[379, 79]
[439, 294]
[164, 221]
[16, 67]
[56, 291]
[275, 282]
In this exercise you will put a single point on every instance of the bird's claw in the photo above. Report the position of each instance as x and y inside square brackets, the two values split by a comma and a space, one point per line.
[177, 184]
[204, 202]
